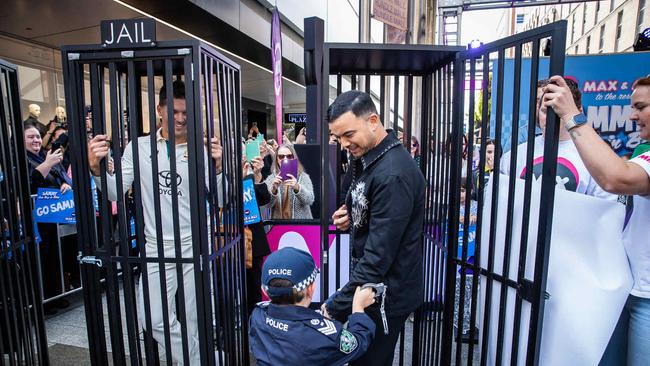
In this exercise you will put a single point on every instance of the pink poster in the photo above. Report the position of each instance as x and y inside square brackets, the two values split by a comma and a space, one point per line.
[307, 238]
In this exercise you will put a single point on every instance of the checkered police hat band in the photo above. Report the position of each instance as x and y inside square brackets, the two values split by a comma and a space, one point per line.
[302, 285]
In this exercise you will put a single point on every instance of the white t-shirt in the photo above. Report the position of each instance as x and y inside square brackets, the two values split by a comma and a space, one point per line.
[164, 188]
[636, 235]
[572, 174]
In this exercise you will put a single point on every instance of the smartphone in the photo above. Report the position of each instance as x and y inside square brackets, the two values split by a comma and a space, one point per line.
[252, 150]
[55, 146]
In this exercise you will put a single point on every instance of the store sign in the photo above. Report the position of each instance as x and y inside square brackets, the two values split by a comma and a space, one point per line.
[296, 117]
[391, 12]
[128, 33]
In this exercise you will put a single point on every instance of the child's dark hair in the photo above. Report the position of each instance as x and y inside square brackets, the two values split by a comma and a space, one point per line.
[294, 298]
[464, 184]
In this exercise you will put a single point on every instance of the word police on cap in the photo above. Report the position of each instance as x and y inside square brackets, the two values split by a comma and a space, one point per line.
[128, 33]
[280, 271]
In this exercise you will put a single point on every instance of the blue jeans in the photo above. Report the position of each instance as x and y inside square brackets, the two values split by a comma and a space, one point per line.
[630, 342]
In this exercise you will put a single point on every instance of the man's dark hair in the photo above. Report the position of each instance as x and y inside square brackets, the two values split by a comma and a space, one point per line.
[573, 86]
[294, 298]
[178, 90]
[355, 101]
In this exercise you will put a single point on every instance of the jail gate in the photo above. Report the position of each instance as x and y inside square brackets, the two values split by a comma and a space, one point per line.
[431, 92]
[161, 233]
[22, 330]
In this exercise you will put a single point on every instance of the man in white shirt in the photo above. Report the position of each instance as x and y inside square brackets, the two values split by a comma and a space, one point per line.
[98, 148]
[630, 343]
[572, 174]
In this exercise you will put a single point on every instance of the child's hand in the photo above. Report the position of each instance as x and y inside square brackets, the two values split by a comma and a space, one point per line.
[362, 299]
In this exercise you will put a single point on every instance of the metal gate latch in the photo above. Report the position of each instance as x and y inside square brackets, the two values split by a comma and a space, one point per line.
[89, 259]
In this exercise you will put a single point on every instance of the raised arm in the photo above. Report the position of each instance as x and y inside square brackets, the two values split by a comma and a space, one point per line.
[611, 172]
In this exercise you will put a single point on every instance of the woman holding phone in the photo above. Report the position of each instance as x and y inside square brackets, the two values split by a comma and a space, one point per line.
[292, 193]
[45, 171]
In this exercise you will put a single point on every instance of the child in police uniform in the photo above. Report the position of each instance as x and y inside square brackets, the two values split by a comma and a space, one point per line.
[285, 331]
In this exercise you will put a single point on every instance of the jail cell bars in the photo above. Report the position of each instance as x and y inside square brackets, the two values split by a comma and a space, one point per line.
[163, 237]
[22, 330]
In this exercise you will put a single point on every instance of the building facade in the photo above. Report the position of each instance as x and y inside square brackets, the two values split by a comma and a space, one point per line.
[606, 26]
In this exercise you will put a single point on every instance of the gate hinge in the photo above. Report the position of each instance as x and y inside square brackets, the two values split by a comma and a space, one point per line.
[89, 259]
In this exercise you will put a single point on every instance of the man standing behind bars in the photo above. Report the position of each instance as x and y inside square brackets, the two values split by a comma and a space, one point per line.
[98, 148]
[384, 211]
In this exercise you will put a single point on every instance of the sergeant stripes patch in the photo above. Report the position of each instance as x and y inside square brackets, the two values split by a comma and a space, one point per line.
[329, 328]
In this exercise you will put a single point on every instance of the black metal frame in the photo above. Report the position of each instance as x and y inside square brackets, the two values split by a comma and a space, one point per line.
[443, 71]
[212, 92]
[526, 290]
[22, 335]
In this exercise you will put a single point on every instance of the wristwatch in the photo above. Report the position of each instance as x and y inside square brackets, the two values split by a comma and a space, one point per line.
[575, 121]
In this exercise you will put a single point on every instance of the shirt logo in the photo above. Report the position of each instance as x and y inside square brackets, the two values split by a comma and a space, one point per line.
[359, 205]
[166, 179]
[567, 176]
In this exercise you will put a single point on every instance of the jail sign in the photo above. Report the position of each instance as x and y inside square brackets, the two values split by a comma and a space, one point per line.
[128, 33]
[52, 206]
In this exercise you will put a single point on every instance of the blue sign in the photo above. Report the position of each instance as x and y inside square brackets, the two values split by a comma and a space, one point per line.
[251, 209]
[471, 239]
[52, 206]
[606, 85]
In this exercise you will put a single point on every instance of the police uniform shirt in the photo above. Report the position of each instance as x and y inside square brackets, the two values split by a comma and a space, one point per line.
[295, 335]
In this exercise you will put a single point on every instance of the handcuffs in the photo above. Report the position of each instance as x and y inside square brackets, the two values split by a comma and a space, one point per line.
[380, 290]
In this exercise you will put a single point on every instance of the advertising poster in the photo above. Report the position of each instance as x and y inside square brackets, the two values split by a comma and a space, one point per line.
[606, 89]
[307, 238]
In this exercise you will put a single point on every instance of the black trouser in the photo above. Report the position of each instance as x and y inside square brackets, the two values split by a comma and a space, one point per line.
[382, 348]
[253, 284]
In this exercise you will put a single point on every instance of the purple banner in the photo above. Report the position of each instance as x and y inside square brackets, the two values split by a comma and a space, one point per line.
[276, 59]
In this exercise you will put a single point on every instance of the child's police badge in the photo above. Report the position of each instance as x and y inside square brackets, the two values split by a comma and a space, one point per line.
[348, 342]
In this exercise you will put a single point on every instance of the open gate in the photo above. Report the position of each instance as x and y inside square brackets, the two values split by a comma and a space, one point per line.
[163, 266]
[431, 92]
[22, 330]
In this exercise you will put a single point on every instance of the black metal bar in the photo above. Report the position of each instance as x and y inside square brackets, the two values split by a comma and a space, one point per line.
[173, 168]
[325, 177]
[162, 270]
[480, 200]
[530, 148]
[549, 168]
[113, 285]
[150, 345]
[503, 299]
[395, 124]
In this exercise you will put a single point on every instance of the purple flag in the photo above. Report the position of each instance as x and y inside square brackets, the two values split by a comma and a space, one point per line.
[276, 59]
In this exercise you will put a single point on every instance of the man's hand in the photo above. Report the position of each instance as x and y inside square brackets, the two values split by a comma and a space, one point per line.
[557, 95]
[341, 219]
[362, 299]
[98, 149]
[216, 151]
[323, 309]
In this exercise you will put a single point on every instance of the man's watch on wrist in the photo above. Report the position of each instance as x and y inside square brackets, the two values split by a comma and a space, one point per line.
[575, 121]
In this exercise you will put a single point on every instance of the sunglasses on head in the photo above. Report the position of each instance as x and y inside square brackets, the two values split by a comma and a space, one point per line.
[282, 156]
